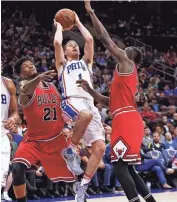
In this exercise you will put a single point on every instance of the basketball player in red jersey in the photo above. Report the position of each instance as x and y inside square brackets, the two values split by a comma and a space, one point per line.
[43, 141]
[127, 123]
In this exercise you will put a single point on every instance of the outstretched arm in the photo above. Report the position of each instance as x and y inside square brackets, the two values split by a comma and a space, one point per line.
[89, 43]
[59, 54]
[104, 100]
[104, 36]
[27, 87]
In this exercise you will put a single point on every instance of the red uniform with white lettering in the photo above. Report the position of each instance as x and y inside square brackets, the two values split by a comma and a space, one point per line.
[43, 140]
[127, 125]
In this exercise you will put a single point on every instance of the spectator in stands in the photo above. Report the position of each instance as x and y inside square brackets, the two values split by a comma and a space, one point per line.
[155, 105]
[172, 110]
[147, 139]
[156, 144]
[165, 123]
[107, 161]
[160, 130]
[175, 119]
[169, 143]
[102, 110]
[147, 113]
[167, 91]
[156, 166]
[108, 120]
[16, 136]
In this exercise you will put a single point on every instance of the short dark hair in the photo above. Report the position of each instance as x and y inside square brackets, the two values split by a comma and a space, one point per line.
[18, 63]
[65, 44]
[138, 55]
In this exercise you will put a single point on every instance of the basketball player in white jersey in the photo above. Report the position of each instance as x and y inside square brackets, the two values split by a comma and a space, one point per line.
[77, 104]
[9, 118]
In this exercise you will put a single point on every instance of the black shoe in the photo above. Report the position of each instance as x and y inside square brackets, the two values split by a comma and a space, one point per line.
[40, 193]
[32, 196]
[107, 189]
[49, 195]
[55, 193]
[71, 191]
[91, 191]
[118, 189]
[98, 191]
[32, 189]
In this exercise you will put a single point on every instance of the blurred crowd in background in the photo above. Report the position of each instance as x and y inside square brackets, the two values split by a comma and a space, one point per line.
[23, 32]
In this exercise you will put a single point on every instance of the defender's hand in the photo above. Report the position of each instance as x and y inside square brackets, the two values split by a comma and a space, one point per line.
[84, 84]
[88, 6]
[9, 124]
[47, 76]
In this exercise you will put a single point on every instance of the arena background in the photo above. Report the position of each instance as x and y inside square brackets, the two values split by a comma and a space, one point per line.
[27, 29]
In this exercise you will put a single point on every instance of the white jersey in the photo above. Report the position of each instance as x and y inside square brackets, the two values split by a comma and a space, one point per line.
[5, 102]
[73, 71]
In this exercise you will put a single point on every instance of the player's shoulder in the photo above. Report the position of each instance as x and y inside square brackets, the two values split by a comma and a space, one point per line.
[9, 84]
[5, 79]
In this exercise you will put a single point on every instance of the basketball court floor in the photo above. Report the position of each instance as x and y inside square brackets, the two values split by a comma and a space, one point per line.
[159, 194]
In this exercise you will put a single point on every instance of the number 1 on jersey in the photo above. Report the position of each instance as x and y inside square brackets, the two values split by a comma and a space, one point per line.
[80, 76]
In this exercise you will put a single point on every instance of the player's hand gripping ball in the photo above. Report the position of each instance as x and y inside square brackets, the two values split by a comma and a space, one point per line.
[66, 18]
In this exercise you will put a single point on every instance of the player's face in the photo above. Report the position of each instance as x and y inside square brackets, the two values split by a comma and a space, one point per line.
[72, 49]
[28, 70]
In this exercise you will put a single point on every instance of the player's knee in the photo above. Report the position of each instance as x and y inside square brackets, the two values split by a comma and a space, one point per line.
[99, 147]
[18, 173]
[86, 115]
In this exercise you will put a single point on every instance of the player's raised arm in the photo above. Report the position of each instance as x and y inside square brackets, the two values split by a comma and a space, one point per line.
[59, 54]
[89, 43]
[27, 87]
[104, 100]
[104, 36]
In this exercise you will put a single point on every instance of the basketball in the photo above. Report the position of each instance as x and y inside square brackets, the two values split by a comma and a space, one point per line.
[66, 18]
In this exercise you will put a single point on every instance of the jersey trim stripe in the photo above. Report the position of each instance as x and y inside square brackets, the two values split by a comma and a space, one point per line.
[22, 160]
[30, 101]
[124, 74]
[68, 109]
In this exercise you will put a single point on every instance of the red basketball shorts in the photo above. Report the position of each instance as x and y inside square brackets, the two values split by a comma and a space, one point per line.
[126, 138]
[48, 152]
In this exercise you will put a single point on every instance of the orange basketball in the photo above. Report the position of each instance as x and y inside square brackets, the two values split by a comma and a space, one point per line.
[66, 18]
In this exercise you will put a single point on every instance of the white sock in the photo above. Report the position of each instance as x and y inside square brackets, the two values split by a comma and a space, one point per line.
[86, 179]
[73, 147]
[5, 193]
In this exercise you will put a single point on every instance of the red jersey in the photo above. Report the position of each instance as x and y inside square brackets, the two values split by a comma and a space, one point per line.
[43, 114]
[123, 91]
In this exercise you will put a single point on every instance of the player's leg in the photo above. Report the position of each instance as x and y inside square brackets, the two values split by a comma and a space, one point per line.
[121, 171]
[98, 149]
[140, 185]
[19, 184]
[93, 136]
[7, 187]
[81, 124]
[26, 155]
[5, 158]
[54, 165]
[76, 109]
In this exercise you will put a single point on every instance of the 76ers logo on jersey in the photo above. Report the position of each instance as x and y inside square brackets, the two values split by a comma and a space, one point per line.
[119, 149]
